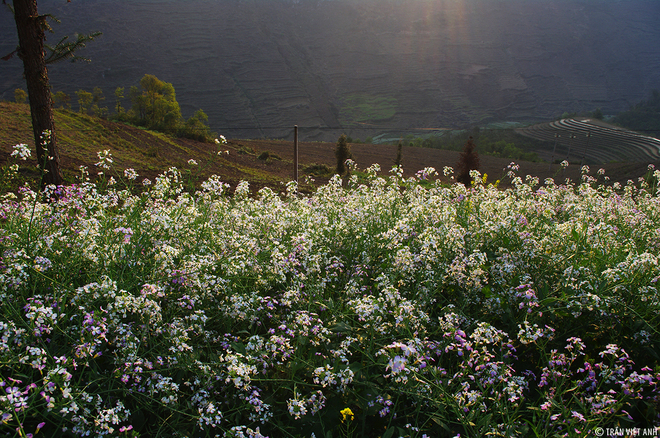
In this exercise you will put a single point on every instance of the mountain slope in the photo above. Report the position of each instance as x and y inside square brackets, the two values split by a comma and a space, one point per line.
[259, 67]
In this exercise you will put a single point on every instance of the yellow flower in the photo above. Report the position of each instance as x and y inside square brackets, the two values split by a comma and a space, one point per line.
[346, 413]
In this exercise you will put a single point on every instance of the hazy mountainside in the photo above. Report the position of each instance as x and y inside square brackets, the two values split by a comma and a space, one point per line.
[259, 67]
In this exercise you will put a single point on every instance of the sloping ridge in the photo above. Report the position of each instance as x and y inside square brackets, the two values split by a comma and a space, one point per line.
[592, 141]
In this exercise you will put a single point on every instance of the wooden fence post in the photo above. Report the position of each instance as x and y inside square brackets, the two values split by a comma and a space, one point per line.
[554, 150]
[586, 148]
[295, 153]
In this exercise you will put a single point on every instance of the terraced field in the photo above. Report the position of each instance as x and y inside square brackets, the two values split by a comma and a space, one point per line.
[592, 141]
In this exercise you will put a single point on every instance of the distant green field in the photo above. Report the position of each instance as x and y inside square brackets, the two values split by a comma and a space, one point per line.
[364, 108]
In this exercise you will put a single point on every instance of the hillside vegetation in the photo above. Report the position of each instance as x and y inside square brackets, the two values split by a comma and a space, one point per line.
[81, 137]
[644, 116]
[263, 162]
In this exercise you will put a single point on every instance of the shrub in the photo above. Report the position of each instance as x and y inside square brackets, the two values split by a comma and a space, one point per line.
[468, 161]
[20, 96]
[318, 170]
[343, 153]
[398, 161]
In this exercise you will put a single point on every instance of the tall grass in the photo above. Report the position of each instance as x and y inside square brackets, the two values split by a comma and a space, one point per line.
[376, 307]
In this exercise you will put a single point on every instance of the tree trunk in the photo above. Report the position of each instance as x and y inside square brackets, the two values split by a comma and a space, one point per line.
[30, 28]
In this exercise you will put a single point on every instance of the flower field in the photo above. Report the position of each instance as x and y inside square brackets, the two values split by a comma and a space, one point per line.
[379, 306]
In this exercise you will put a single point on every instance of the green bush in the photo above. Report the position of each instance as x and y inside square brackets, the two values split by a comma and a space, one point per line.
[342, 153]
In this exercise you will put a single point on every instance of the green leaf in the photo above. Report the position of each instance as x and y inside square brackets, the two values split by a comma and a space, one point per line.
[389, 432]
[239, 347]
[341, 327]
[441, 423]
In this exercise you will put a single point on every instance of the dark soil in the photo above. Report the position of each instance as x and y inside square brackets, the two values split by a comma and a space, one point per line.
[415, 159]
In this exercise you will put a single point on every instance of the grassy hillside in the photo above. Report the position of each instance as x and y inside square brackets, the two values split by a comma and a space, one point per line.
[260, 162]
[81, 137]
